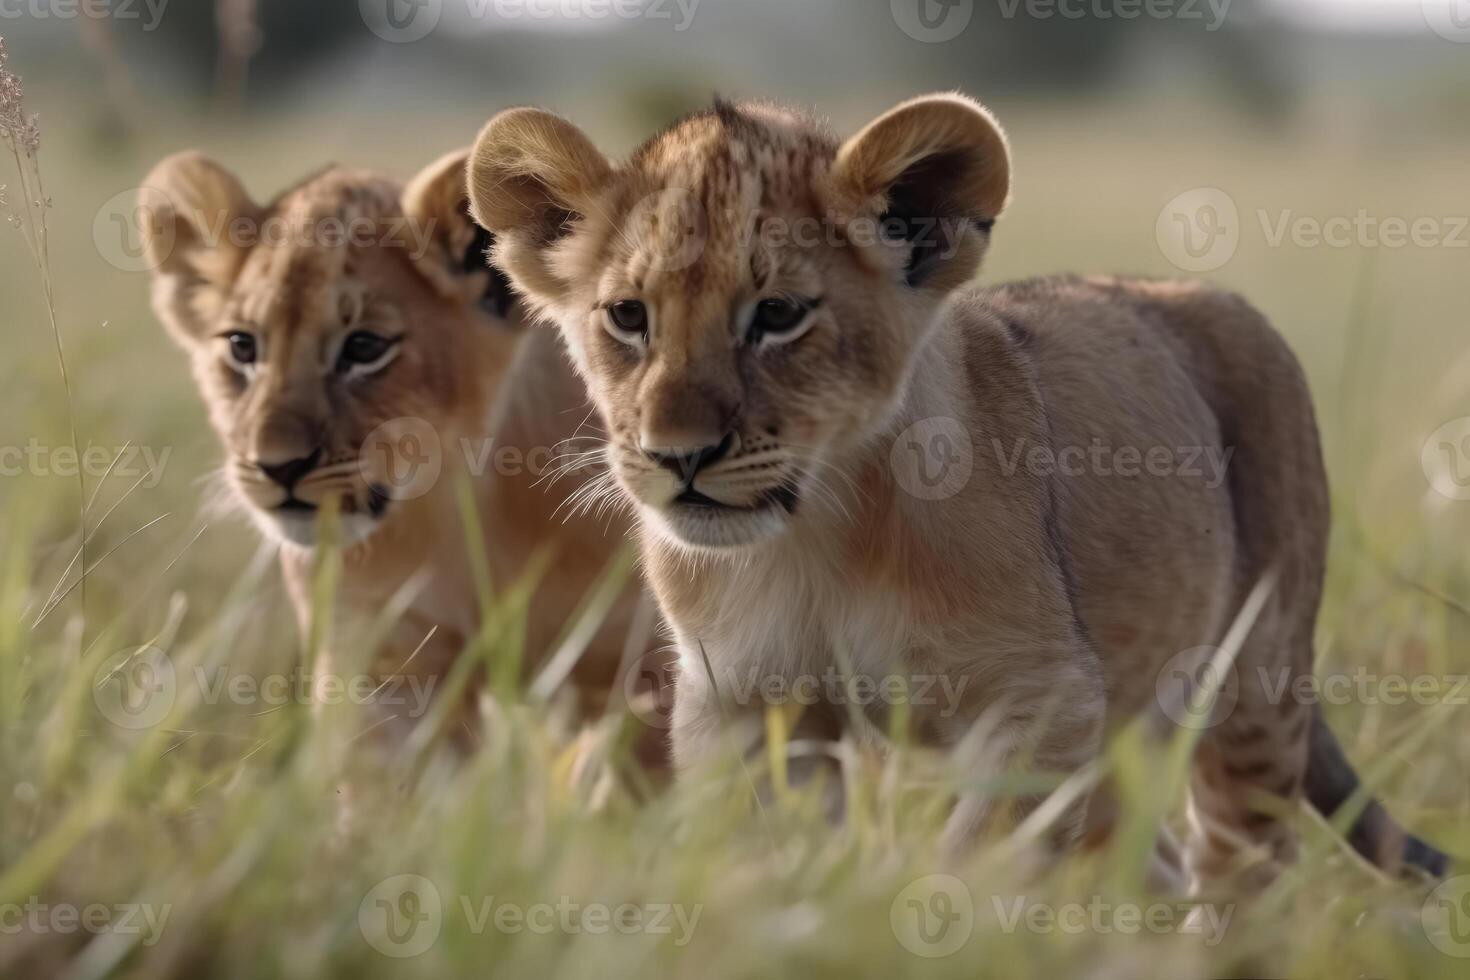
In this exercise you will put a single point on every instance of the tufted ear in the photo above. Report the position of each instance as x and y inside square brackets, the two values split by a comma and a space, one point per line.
[445, 243]
[532, 175]
[190, 213]
[936, 172]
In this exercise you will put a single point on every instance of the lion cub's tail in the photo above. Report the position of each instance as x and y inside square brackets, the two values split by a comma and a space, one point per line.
[1331, 784]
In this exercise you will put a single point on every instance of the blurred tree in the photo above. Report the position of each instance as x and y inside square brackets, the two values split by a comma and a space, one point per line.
[204, 47]
[239, 40]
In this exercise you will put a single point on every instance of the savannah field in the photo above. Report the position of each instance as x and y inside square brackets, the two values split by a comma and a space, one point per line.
[206, 841]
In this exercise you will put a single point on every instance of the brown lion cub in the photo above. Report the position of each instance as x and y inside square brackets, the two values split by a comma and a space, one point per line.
[773, 323]
[352, 347]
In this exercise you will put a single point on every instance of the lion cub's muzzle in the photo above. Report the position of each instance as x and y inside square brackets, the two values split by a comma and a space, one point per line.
[723, 495]
[287, 498]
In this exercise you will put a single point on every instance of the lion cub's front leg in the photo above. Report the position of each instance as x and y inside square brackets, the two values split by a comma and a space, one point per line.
[391, 686]
[717, 721]
[1041, 713]
[1044, 718]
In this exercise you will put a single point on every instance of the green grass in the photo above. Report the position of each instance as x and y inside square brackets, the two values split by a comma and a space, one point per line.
[226, 818]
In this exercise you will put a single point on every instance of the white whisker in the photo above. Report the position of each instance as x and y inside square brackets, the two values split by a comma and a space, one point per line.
[590, 488]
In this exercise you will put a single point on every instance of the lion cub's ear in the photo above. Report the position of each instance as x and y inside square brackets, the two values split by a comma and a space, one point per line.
[936, 172]
[445, 243]
[190, 211]
[532, 175]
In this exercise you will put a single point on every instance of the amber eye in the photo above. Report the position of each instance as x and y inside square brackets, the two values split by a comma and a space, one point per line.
[365, 350]
[242, 348]
[780, 319]
[628, 321]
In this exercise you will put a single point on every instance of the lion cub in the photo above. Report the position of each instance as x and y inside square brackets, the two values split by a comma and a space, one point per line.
[352, 348]
[846, 460]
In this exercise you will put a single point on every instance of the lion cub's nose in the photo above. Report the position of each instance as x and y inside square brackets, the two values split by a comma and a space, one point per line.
[685, 462]
[288, 473]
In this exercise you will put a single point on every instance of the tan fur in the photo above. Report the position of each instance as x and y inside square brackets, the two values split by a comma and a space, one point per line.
[1056, 599]
[479, 380]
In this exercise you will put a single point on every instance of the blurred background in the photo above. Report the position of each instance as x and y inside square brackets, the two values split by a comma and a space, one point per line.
[1311, 153]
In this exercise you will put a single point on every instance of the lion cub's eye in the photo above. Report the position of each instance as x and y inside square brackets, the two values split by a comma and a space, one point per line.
[364, 351]
[780, 320]
[243, 350]
[627, 321]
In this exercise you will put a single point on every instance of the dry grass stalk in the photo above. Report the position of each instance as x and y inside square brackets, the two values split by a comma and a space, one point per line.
[21, 133]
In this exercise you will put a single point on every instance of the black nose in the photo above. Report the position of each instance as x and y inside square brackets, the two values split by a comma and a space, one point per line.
[685, 463]
[288, 473]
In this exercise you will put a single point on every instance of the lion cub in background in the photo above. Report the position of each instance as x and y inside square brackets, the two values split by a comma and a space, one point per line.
[774, 322]
[353, 349]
